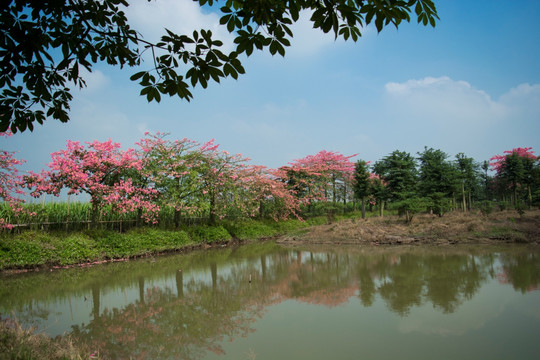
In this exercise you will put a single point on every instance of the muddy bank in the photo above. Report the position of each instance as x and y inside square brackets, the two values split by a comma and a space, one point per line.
[452, 228]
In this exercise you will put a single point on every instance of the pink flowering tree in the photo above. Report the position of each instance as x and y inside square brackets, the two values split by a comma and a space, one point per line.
[172, 167]
[515, 171]
[197, 179]
[10, 185]
[320, 177]
[264, 194]
[219, 176]
[101, 170]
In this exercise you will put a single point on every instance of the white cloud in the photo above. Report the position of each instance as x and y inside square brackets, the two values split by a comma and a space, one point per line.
[179, 16]
[307, 40]
[523, 101]
[445, 100]
[455, 116]
[184, 16]
[95, 80]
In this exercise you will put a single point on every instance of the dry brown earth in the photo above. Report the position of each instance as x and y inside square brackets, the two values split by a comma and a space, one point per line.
[452, 228]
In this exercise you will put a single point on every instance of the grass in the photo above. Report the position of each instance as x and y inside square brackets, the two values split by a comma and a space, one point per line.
[210, 234]
[33, 248]
[17, 342]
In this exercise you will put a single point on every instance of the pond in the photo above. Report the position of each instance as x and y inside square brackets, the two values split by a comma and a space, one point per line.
[263, 301]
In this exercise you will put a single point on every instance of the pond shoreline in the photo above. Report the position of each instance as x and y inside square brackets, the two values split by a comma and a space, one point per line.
[426, 230]
[186, 249]
[504, 227]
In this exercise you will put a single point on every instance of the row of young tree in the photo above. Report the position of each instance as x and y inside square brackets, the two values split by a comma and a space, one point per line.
[432, 182]
[201, 180]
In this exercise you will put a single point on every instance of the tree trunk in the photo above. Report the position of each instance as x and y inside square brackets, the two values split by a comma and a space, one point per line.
[139, 216]
[213, 209]
[261, 209]
[176, 218]
[463, 197]
[363, 207]
[94, 214]
[333, 189]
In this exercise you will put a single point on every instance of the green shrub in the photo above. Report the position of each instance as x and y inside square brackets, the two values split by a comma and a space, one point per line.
[284, 227]
[209, 234]
[113, 244]
[76, 248]
[486, 207]
[245, 230]
[29, 248]
[319, 220]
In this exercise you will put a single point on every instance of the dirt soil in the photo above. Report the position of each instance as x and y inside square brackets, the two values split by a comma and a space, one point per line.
[452, 228]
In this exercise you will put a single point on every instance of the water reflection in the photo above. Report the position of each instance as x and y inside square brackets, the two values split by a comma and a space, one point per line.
[184, 306]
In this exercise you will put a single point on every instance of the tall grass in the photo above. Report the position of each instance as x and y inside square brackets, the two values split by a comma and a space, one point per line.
[64, 216]
[76, 216]
[17, 342]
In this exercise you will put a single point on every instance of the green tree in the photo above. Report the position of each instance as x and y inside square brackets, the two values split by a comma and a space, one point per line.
[398, 171]
[361, 183]
[380, 192]
[437, 179]
[487, 179]
[512, 174]
[530, 177]
[43, 45]
[468, 179]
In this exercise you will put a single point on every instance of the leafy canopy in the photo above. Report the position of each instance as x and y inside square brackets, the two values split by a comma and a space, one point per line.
[44, 44]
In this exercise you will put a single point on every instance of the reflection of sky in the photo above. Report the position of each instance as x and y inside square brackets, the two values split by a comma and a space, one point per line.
[64, 313]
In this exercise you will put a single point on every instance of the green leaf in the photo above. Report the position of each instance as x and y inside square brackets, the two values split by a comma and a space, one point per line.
[273, 47]
[137, 76]
[230, 25]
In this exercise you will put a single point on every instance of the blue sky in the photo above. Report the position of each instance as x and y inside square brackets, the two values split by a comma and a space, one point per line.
[471, 85]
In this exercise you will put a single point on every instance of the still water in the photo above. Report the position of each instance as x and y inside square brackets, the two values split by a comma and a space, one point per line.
[263, 301]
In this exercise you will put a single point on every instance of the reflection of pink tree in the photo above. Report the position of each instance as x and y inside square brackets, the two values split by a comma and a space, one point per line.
[10, 184]
[101, 170]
